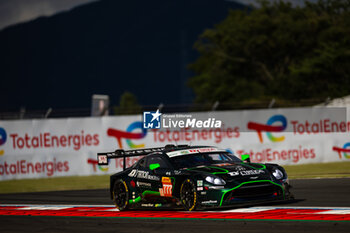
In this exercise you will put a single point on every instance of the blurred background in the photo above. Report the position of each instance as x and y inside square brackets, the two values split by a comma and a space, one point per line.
[182, 55]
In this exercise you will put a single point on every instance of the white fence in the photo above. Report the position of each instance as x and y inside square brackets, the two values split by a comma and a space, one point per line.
[66, 147]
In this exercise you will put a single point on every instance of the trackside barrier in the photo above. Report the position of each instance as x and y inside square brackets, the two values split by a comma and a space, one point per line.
[67, 147]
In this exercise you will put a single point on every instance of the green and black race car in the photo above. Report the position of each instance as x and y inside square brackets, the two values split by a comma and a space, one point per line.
[193, 177]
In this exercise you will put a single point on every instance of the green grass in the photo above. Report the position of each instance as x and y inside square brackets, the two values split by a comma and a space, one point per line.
[322, 170]
[319, 170]
[57, 183]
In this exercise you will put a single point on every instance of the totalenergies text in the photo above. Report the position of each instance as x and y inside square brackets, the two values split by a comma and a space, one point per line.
[46, 140]
[322, 126]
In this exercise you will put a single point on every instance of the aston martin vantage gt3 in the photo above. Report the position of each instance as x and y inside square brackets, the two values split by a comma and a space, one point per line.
[192, 178]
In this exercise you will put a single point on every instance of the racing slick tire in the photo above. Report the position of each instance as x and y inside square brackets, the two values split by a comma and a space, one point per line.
[121, 195]
[188, 195]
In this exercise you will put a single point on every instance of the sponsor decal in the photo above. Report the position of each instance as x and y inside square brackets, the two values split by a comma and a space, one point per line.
[47, 140]
[133, 173]
[118, 163]
[142, 175]
[240, 168]
[299, 127]
[322, 126]
[293, 154]
[167, 189]
[147, 205]
[199, 188]
[177, 172]
[251, 172]
[269, 128]
[209, 202]
[95, 165]
[345, 150]
[166, 180]
[29, 167]
[246, 172]
[194, 151]
[223, 164]
[143, 184]
[233, 173]
[3, 138]
[201, 134]
[199, 182]
[119, 135]
[215, 187]
[128, 135]
[102, 159]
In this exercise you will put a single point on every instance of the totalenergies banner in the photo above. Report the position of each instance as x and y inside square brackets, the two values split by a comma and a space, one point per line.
[66, 147]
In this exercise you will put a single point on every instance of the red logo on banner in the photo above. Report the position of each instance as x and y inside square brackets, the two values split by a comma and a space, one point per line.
[119, 135]
[345, 150]
[268, 128]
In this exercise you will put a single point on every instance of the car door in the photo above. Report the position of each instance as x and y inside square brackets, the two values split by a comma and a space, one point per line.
[146, 182]
[160, 167]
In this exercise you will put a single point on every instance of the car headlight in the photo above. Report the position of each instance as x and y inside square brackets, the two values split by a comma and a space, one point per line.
[278, 174]
[215, 180]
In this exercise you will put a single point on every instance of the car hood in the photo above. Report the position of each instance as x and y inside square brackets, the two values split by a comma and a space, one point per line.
[239, 172]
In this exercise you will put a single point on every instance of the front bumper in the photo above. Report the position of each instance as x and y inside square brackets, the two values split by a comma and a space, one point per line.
[247, 192]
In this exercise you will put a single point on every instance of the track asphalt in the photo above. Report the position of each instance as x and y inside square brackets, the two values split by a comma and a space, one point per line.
[308, 193]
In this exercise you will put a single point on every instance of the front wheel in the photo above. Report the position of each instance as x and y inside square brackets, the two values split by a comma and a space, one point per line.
[188, 195]
[121, 195]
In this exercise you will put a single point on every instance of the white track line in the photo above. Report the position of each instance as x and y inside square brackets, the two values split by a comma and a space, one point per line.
[335, 212]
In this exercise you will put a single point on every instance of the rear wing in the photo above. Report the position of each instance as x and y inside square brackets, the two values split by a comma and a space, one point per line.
[103, 158]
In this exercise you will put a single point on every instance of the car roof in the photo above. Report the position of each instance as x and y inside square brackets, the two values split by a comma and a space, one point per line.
[174, 151]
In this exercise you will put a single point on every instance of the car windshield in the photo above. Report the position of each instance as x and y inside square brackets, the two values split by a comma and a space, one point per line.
[195, 160]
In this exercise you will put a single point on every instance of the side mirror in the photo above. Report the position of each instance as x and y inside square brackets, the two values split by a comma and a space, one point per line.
[245, 158]
[154, 166]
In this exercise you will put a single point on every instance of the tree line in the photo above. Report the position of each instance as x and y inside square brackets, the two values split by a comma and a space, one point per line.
[275, 51]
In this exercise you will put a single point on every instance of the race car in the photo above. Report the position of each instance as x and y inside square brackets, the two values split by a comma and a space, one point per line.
[193, 178]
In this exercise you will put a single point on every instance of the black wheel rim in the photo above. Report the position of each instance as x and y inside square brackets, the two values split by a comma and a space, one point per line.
[187, 195]
[120, 195]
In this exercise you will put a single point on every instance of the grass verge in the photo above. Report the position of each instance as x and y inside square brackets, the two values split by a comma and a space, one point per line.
[320, 170]
[54, 184]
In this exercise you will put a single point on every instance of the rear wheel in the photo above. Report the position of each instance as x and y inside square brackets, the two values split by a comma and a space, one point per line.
[188, 195]
[121, 195]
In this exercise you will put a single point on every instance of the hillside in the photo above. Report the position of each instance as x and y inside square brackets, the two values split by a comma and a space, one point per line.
[105, 47]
